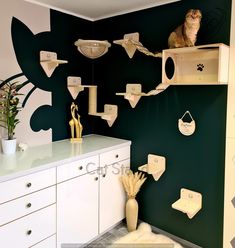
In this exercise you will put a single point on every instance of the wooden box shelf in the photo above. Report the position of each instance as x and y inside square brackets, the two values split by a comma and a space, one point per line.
[205, 65]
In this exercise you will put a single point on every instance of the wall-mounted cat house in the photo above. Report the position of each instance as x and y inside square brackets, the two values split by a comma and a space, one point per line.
[49, 62]
[190, 202]
[206, 65]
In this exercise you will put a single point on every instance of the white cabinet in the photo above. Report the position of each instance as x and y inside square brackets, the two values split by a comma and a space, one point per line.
[77, 196]
[112, 195]
[28, 218]
[89, 204]
[47, 243]
[27, 204]
[29, 230]
[77, 209]
[27, 184]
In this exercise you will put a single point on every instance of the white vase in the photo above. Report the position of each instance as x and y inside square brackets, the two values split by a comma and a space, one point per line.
[8, 146]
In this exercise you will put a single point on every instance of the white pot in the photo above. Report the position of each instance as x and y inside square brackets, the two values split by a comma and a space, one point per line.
[8, 146]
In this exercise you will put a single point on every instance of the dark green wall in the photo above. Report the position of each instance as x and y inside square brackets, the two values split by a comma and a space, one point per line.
[65, 30]
[195, 162]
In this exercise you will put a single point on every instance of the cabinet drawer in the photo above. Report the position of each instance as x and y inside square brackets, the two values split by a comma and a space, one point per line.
[114, 156]
[27, 184]
[47, 243]
[25, 205]
[30, 229]
[77, 168]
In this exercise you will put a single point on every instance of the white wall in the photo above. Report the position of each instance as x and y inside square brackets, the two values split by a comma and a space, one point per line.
[229, 187]
[37, 19]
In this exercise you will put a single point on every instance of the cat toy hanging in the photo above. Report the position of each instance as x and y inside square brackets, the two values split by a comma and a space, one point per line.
[185, 35]
[186, 128]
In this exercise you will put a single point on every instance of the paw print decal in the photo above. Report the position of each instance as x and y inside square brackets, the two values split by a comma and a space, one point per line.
[200, 67]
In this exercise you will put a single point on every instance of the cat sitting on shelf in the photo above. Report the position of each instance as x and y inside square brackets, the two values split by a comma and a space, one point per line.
[186, 34]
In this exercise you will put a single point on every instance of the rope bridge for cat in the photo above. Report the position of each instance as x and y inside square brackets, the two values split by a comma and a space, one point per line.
[139, 46]
[131, 42]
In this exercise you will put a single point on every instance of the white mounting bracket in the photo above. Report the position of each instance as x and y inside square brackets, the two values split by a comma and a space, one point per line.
[74, 85]
[133, 92]
[190, 202]
[127, 44]
[49, 62]
[156, 166]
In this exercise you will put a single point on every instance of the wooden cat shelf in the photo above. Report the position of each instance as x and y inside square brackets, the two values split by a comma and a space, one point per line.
[110, 111]
[198, 65]
[131, 43]
[190, 202]
[156, 166]
[49, 62]
[134, 92]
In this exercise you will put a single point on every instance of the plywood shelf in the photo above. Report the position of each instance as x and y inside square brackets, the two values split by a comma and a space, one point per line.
[75, 86]
[199, 65]
[49, 62]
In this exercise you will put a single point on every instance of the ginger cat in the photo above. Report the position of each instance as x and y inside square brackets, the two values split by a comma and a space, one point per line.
[186, 34]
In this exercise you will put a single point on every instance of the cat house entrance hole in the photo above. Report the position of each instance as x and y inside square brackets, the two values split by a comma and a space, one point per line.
[169, 68]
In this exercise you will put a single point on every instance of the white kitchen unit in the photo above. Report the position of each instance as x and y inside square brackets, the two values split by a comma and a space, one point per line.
[28, 210]
[62, 192]
[77, 203]
[95, 200]
[113, 164]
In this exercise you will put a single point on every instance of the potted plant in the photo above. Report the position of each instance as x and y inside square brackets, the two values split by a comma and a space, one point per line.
[9, 108]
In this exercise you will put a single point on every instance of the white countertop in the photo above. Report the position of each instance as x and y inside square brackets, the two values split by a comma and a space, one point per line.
[56, 153]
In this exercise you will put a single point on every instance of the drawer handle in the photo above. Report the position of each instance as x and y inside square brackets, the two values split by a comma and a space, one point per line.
[29, 205]
[116, 156]
[28, 185]
[80, 167]
[29, 232]
[96, 178]
[104, 175]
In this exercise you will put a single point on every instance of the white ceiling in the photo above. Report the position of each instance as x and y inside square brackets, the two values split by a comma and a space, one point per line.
[99, 9]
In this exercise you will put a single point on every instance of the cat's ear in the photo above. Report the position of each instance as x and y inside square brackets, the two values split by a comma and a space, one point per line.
[27, 47]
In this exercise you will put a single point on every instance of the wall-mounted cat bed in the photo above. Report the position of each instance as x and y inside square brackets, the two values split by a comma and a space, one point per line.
[49, 62]
[206, 65]
[190, 202]
[92, 49]
[156, 166]
[134, 92]
[131, 43]
[110, 111]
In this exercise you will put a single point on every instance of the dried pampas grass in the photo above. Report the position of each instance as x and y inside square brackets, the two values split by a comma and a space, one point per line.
[132, 183]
